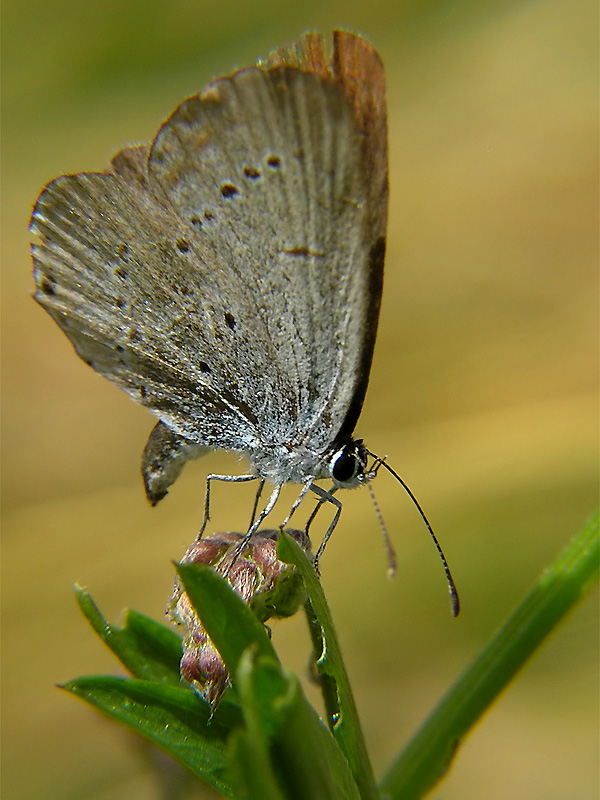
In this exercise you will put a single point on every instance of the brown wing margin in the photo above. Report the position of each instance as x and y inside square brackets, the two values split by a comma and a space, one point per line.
[357, 66]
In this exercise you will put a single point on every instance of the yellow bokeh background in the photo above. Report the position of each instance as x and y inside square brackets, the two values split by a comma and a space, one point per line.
[483, 391]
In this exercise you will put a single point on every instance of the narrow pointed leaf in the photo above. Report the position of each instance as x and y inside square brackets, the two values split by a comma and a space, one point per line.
[250, 770]
[561, 586]
[148, 650]
[344, 719]
[174, 719]
[229, 622]
[304, 756]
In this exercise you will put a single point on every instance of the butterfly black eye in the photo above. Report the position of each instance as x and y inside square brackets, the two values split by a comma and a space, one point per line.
[348, 464]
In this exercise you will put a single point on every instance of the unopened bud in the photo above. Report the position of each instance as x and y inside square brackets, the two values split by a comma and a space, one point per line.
[269, 586]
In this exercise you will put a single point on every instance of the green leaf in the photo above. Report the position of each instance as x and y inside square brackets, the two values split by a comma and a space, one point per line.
[249, 770]
[149, 651]
[228, 621]
[429, 754]
[250, 767]
[287, 733]
[174, 719]
[285, 750]
[337, 693]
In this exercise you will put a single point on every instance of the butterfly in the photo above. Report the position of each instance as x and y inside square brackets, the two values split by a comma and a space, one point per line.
[229, 276]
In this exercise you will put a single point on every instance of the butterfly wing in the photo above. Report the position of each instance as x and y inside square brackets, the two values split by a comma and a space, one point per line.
[229, 278]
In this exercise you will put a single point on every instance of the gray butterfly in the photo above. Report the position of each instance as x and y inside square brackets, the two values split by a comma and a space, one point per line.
[229, 276]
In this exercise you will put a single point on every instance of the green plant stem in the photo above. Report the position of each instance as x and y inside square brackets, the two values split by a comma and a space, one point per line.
[337, 692]
[428, 756]
[327, 684]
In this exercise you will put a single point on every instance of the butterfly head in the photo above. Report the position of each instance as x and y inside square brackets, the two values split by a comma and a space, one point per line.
[348, 465]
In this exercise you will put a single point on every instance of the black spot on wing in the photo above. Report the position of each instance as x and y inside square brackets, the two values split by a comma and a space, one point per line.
[48, 285]
[228, 190]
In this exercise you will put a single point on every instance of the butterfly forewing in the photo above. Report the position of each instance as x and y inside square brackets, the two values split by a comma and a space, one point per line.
[229, 279]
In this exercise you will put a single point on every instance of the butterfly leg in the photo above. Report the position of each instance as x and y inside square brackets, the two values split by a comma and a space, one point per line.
[315, 511]
[256, 501]
[227, 479]
[299, 499]
[264, 513]
[325, 497]
[254, 527]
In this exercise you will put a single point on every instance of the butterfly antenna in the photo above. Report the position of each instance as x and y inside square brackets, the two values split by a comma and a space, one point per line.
[454, 601]
[391, 554]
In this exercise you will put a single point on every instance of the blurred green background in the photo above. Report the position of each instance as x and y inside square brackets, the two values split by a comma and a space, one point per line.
[483, 390]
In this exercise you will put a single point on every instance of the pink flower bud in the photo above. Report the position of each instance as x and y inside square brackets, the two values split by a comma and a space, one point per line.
[269, 586]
